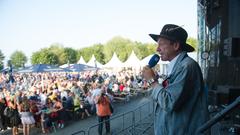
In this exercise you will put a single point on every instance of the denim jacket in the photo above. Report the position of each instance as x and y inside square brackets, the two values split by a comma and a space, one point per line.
[181, 105]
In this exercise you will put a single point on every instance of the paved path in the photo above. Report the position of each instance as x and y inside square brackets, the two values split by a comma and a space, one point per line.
[84, 124]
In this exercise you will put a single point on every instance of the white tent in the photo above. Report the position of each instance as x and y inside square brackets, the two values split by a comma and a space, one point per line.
[65, 65]
[94, 63]
[132, 61]
[81, 61]
[145, 60]
[114, 62]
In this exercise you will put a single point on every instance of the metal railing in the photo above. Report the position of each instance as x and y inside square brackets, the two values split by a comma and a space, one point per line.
[134, 122]
[79, 133]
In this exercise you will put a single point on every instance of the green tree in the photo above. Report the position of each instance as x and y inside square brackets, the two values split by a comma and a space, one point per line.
[2, 57]
[36, 57]
[18, 59]
[98, 53]
[64, 55]
[58, 49]
[79, 54]
[49, 58]
[121, 46]
[44, 56]
[143, 50]
[86, 53]
[193, 42]
[103, 52]
[70, 54]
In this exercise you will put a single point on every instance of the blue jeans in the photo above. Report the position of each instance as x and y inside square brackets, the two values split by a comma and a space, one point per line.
[102, 119]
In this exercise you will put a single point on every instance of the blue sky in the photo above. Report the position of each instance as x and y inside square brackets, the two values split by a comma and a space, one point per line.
[29, 25]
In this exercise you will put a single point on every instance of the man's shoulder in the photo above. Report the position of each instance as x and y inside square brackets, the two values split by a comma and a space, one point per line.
[187, 61]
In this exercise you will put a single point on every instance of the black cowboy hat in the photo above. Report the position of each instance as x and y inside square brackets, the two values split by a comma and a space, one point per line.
[174, 33]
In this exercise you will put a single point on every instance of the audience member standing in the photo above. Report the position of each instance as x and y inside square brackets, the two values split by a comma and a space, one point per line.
[103, 112]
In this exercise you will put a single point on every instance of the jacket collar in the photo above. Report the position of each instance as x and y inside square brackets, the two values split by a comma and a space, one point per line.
[181, 56]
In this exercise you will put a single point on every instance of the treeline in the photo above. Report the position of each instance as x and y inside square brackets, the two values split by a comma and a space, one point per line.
[57, 54]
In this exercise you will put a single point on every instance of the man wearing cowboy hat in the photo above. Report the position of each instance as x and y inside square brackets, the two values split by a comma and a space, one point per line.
[180, 101]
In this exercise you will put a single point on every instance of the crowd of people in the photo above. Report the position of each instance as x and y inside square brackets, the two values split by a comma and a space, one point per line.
[48, 100]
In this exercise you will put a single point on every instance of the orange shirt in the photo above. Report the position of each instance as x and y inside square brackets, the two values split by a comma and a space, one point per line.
[103, 106]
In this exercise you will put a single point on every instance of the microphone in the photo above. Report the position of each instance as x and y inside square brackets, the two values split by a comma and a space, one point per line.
[153, 61]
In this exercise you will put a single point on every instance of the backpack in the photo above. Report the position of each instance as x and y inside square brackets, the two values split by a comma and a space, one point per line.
[8, 112]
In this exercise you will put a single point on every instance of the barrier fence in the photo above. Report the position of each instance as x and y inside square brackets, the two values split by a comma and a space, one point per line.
[135, 122]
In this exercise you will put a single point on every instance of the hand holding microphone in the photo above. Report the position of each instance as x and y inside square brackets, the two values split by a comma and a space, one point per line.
[153, 61]
[148, 72]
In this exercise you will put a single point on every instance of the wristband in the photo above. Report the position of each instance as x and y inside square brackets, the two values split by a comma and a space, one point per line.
[151, 81]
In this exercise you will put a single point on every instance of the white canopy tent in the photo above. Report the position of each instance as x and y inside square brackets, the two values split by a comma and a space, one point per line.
[94, 63]
[132, 61]
[114, 62]
[81, 61]
[65, 65]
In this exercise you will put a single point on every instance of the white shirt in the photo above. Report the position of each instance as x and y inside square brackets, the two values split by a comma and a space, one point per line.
[171, 65]
[43, 99]
[96, 92]
[90, 100]
[64, 94]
